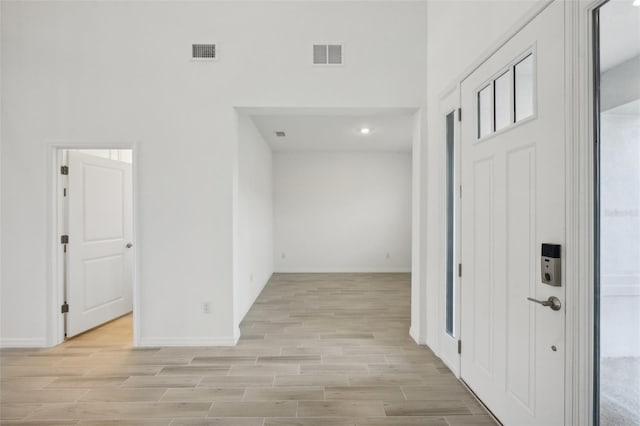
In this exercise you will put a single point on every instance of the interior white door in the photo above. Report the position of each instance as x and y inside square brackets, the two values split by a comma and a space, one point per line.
[513, 200]
[99, 253]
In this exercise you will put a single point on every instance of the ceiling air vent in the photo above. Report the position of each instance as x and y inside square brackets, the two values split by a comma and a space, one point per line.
[203, 52]
[327, 54]
[280, 133]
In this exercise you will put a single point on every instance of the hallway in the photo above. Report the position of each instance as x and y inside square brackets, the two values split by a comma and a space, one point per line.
[316, 349]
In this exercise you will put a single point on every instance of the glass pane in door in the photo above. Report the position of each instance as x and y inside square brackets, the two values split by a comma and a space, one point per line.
[485, 112]
[502, 95]
[523, 88]
[450, 283]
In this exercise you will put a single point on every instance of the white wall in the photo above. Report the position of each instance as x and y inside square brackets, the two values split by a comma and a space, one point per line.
[458, 32]
[254, 242]
[120, 72]
[619, 84]
[342, 211]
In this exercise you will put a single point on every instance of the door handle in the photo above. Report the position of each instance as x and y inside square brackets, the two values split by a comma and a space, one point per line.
[552, 302]
[129, 245]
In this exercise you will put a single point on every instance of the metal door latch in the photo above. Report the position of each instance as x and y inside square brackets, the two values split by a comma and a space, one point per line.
[552, 302]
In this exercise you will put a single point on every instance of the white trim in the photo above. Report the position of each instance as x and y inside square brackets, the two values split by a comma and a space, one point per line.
[572, 301]
[418, 230]
[414, 336]
[27, 342]
[580, 213]
[345, 270]
[446, 348]
[54, 283]
[270, 109]
[188, 341]
[236, 332]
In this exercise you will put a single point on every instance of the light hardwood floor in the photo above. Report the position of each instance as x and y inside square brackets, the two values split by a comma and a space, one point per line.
[316, 349]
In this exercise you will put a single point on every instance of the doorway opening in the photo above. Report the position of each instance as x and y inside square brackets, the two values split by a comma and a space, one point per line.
[94, 194]
[617, 213]
[326, 191]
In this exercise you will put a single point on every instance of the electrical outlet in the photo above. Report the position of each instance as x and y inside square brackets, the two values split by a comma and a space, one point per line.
[206, 307]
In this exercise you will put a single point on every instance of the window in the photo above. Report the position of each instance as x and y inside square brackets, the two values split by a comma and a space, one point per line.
[450, 289]
[617, 219]
[523, 88]
[484, 112]
[502, 96]
[507, 98]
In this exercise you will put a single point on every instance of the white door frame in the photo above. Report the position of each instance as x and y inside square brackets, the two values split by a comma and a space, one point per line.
[449, 102]
[579, 181]
[581, 229]
[55, 218]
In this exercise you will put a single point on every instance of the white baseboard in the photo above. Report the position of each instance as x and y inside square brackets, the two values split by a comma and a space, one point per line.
[253, 301]
[189, 341]
[414, 335]
[341, 270]
[30, 342]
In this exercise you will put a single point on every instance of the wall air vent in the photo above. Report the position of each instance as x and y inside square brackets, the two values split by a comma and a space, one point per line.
[203, 52]
[280, 133]
[327, 54]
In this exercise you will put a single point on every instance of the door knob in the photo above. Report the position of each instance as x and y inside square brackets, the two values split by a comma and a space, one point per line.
[129, 245]
[552, 302]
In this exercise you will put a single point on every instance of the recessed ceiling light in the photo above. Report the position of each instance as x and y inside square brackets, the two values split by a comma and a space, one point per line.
[366, 130]
[636, 3]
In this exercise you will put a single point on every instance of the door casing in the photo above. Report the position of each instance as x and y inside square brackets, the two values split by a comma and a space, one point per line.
[56, 217]
[448, 345]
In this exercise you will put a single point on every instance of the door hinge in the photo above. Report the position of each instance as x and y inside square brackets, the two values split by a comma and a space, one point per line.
[459, 269]
[64, 239]
[64, 170]
[64, 308]
[64, 192]
[459, 346]
[459, 114]
[460, 191]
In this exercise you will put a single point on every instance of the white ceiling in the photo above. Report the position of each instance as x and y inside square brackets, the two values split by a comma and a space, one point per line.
[391, 130]
[619, 32]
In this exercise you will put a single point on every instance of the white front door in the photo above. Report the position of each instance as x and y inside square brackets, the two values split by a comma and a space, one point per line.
[513, 201]
[99, 286]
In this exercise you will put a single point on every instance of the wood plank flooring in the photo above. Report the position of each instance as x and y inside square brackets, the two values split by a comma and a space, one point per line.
[316, 349]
